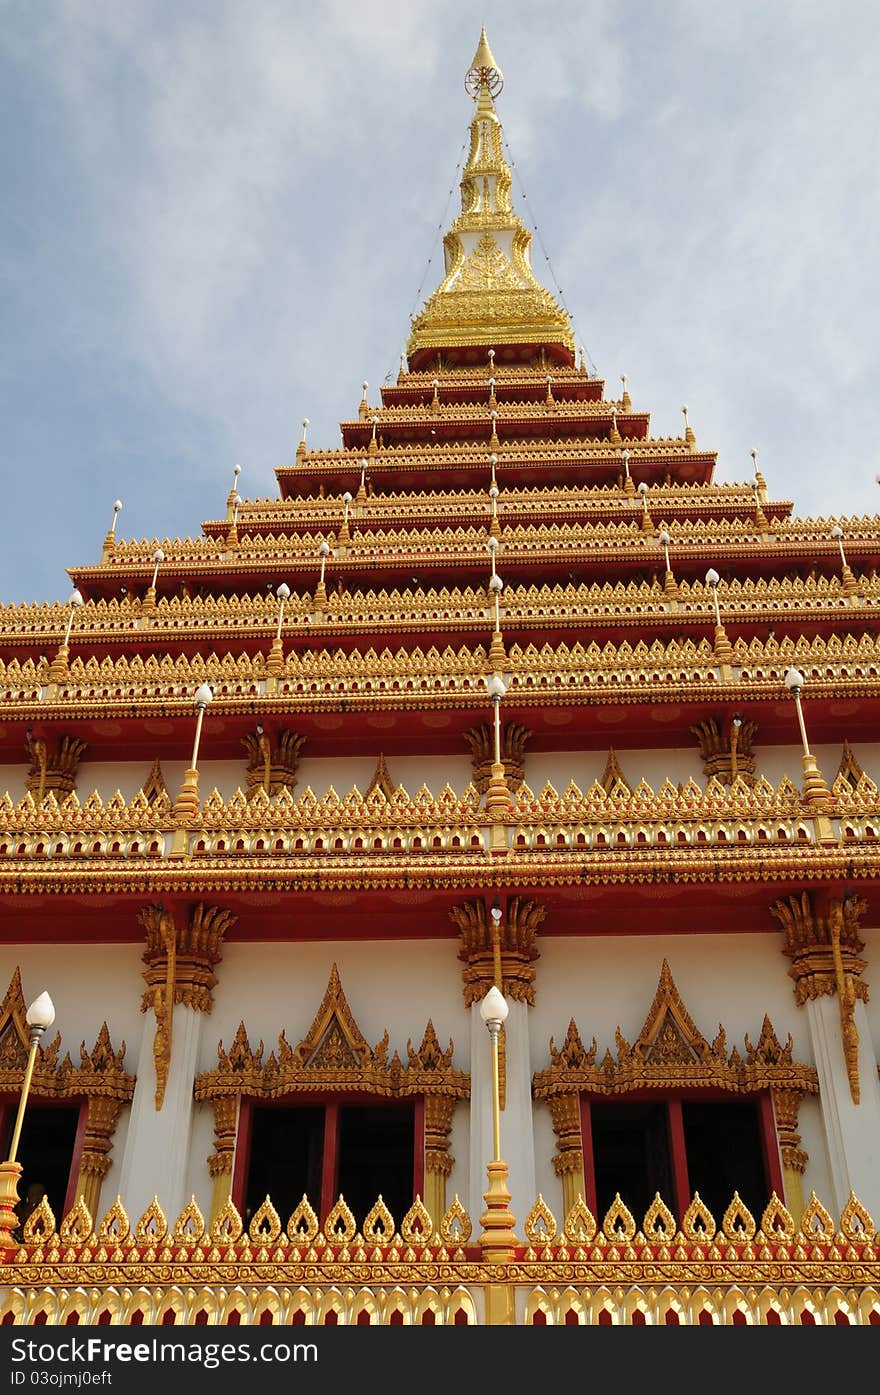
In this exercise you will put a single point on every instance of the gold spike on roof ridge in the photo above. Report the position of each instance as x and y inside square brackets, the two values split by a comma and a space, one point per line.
[489, 295]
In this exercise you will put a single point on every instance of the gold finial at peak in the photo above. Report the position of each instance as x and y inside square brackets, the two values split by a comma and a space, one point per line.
[484, 71]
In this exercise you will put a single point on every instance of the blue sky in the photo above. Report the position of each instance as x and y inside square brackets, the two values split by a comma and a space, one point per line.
[216, 217]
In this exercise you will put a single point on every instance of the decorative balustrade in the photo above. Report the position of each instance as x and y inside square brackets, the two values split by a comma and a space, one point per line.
[699, 1271]
[455, 675]
[741, 816]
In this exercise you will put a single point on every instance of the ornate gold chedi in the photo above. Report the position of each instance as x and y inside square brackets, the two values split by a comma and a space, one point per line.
[489, 295]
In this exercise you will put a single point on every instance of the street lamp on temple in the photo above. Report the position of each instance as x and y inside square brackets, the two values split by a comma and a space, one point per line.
[497, 794]
[759, 478]
[723, 649]
[149, 602]
[850, 585]
[233, 494]
[275, 661]
[816, 790]
[232, 531]
[670, 588]
[361, 496]
[344, 537]
[301, 448]
[58, 667]
[647, 524]
[497, 1240]
[39, 1017]
[321, 589]
[493, 417]
[628, 487]
[187, 803]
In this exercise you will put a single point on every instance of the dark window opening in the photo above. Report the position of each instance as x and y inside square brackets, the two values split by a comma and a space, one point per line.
[631, 1154]
[376, 1157]
[285, 1162]
[45, 1151]
[724, 1154]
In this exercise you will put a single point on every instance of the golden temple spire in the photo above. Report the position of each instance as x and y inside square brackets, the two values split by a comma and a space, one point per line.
[489, 294]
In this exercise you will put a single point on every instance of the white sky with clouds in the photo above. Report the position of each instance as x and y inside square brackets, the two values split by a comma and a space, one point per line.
[215, 215]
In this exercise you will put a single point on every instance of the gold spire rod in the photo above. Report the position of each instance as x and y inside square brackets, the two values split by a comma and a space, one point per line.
[484, 71]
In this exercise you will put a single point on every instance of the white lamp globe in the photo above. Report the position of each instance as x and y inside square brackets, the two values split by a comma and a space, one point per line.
[76, 599]
[283, 591]
[794, 680]
[494, 1007]
[203, 695]
[712, 577]
[495, 583]
[496, 686]
[41, 1012]
[324, 549]
[158, 555]
[663, 538]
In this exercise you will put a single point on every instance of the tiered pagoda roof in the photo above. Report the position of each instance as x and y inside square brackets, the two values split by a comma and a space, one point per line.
[493, 434]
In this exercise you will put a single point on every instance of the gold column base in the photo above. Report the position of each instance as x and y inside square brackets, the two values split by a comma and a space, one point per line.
[109, 547]
[301, 450]
[573, 1187]
[497, 795]
[435, 1197]
[10, 1172]
[361, 496]
[320, 601]
[815, 789]
[497, 1239]
[373, 447]
[58, 670]
[670, 587]
[629, 488]
[723, 647]
[497, 654]
[493, 440]
[690, 438]
[186, 805]
[793, 1186]
[850, 585]
[762, 486]
[343, 537]
[221, 1194]
[231, 543]
[275, 659]
[761, 524]
[148, 604]
[495, 527]
[647, 525]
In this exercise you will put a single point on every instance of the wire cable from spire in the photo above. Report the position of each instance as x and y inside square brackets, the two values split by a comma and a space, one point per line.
[534, 222]
[389, 376]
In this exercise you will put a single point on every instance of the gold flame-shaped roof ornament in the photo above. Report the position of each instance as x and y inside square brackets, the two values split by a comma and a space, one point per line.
[489, 296]
[484, 71]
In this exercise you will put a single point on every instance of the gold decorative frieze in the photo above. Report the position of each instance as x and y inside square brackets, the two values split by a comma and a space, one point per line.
[772, 1270]
[517, 940]
[334, 1055]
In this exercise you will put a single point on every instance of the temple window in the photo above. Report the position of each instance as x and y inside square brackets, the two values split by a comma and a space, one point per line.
[676, 1146]
[357, 1149]
[47, 1151]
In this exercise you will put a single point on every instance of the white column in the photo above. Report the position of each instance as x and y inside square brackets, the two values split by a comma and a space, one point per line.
[517, 1137]
[157, 1144]
[852, 1132]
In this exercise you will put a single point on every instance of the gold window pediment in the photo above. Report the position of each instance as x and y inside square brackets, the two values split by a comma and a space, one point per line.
[671, 1053]
[334, 1055]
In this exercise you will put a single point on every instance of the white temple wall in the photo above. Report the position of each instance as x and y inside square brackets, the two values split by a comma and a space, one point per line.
[811, 1128]
[199, 1182]
[871, 953]
[547, 1184]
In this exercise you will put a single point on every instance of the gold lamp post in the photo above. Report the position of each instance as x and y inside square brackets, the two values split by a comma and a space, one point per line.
[321, 588]
[149, 603]
[110, 539]
[723, 649]
[58, 667]
[497, 1239]
[670, 588]
[40, 1015]
[850, 585]
[275, 661]
[187, 803]
[629, 488]
[816, 791]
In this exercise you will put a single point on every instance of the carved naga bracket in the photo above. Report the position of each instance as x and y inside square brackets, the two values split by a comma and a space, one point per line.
[727, 752]
[518, 948]
[273, 758]
[824, 947]
[481, 741]
[53, 770]
[179, 968]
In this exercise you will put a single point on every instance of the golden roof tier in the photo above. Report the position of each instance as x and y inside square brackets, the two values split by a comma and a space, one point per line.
[489, 295]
